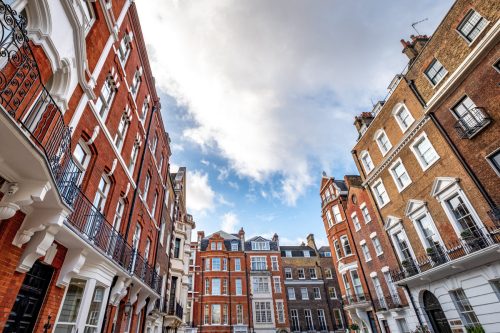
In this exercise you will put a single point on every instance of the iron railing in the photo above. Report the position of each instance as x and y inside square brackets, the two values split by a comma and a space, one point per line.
[482, 239]
[495, 215]
[389, 302]
[25, 98]
[175, 309]
[472, 122]
[356, 298]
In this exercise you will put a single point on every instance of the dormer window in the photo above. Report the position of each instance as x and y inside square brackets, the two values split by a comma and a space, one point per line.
[367, 161]
[435, 72]
[234, 246]
[383, 142]
[260, 246]
[472, 25]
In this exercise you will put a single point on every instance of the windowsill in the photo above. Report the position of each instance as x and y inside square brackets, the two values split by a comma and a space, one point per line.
[385, 204]
[401, 189]
[428, 166]
[379, 254]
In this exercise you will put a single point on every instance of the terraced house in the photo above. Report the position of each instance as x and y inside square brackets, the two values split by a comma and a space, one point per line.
[427, 154]
[90, 212]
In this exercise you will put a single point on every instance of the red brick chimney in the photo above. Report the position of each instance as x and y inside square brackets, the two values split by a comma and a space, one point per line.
[363, 121]
[413, 47]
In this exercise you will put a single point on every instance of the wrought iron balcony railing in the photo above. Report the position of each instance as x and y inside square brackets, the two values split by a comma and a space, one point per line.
[472, 122]
[24, 97]
[356, 299]
[175, 309]
[483, 238]
[495, 216]
[389, 302]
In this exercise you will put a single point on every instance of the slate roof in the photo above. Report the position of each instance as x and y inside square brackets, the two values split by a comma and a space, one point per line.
[228, 239]
[341, 184]
[297, 251]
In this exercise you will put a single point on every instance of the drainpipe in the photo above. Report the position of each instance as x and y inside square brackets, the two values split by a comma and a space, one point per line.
[229, 290]
[104, 324]
[417, 312]
[202, 292]
[250, 315]
[139, 173]
[145, 314]
[453, 147]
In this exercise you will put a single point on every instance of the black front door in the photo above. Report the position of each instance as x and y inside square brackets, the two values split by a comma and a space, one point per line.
[373, 325]
[435, 313]
[29, 300]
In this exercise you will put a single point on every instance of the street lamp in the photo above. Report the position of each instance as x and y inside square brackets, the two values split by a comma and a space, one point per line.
[127, 308]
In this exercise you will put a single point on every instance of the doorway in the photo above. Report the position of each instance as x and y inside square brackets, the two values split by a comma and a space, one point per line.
[29, 300]
[435, 313]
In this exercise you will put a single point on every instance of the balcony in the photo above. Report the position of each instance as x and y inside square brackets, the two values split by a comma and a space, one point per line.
[28, 103]
[389, 303]
[174, 315]
[475, 120]
[361, 300]
[442, 261]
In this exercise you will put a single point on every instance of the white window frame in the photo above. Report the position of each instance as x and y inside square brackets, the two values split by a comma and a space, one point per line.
[238, 287]
[482, 21]
[316, 293]
[375, 241]
[431, 79]
[260, 285]
[366, 251]
[82, 165]
[329, 220]
[378, 195]
[396, 112]
[398, 228]
[258, 263]
[277, 284]
[304, 293]
[121, 132]
[395, 177]
[489, 158]
[106, 101]
[338, 249]
[260, 246]
[346, 239]
[274, 263]
[355, 221]
[280, 311]
[368, 162]
[291, 293]
[377, 137]
[294, 319]
[416, 152]
[237, 264]
[418, 212]
[336, 214]
[301, 274]
[367, 217]
[287, 271]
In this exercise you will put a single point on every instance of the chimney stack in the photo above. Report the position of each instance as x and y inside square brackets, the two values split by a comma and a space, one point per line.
[413, 47]
[311, 243]
[362, 121]
[201, 235]
[241, 235]
[276, 239]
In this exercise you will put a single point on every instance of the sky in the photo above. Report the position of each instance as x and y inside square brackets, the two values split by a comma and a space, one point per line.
[259, 99]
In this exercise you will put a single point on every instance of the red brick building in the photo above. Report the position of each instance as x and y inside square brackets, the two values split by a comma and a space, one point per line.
[86, 196]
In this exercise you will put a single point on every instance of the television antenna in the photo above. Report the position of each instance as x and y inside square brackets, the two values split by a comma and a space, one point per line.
[418, 22]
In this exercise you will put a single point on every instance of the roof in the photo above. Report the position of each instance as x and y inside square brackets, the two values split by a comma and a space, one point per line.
[297, 251]
[324, 249]
[273, 246]
[224, 235]
[341, 184]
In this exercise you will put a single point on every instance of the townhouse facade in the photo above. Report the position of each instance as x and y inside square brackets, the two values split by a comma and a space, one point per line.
[426, 155]
[312, 288]
[87, 197]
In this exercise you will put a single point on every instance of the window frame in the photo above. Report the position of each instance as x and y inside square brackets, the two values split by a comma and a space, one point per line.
[378, 135]
[392, 170]
[397, 110]
[431, 66]
[494, 165]
[377, 195]
[416, 151]
[367, 165]
[465, 20]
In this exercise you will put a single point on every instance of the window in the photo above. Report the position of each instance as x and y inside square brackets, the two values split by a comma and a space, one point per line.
[133, 157]
[277, 284]
[347, 286]
[291, 293]
[464, 308]
[274, 263]
[328, 273]
[327, 254]
[496, 287]
[215, 264]
[88, 11]
[403, 117]
[378, 291]
[316, 293]
[207, 287]
[216, 315]
[312, 273]
[377, 245]
[101, 194]
[427, 234]
[288, 273]
[366, 252]
[328, 220]
[494, 161]
[153, 208]
[136, 83]
[207, 264]
[224, 314]
[238, 287]
[463, 216]
[400, 175]
[263, 312]
[392, 288]
[366, 214]
[471, 119]
[301, 274]
[383, 142]
[190, 282]
[345, 245]
[260, 246]
[355, 221]
[367, 162]
[309, 320]
[280, 310]
[380, 193]
[336, 214]
[337, 316]
[119, 214]
[260, 285]
[338, 252]
[239, 314]
[92, 323]
[402, 325]
[122, 130]
[177, 248]
[306, 253]
[356, 282]
[81, 156]
[137, 236]
[288, 253]
[258, 263]
[224, 264]
[147, 249]
[216, 286]
[145, 108]
[435, 72]
[213, 246]
[322, 320]
[71, 306]
[424, 151]
[154, 144]
[472, 25]
[304, 294]
[402, 247]
[332, 293]
[237, 264]
[224, 287]
[103, 102]
[124, 48]
[147, 183]
[234, 246]
[294, 314]
[206, 315]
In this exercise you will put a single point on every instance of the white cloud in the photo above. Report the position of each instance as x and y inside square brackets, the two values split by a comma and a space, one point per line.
[200, 196]
[273, 86]
[233, 185]
[222, 200]
[229, 222]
